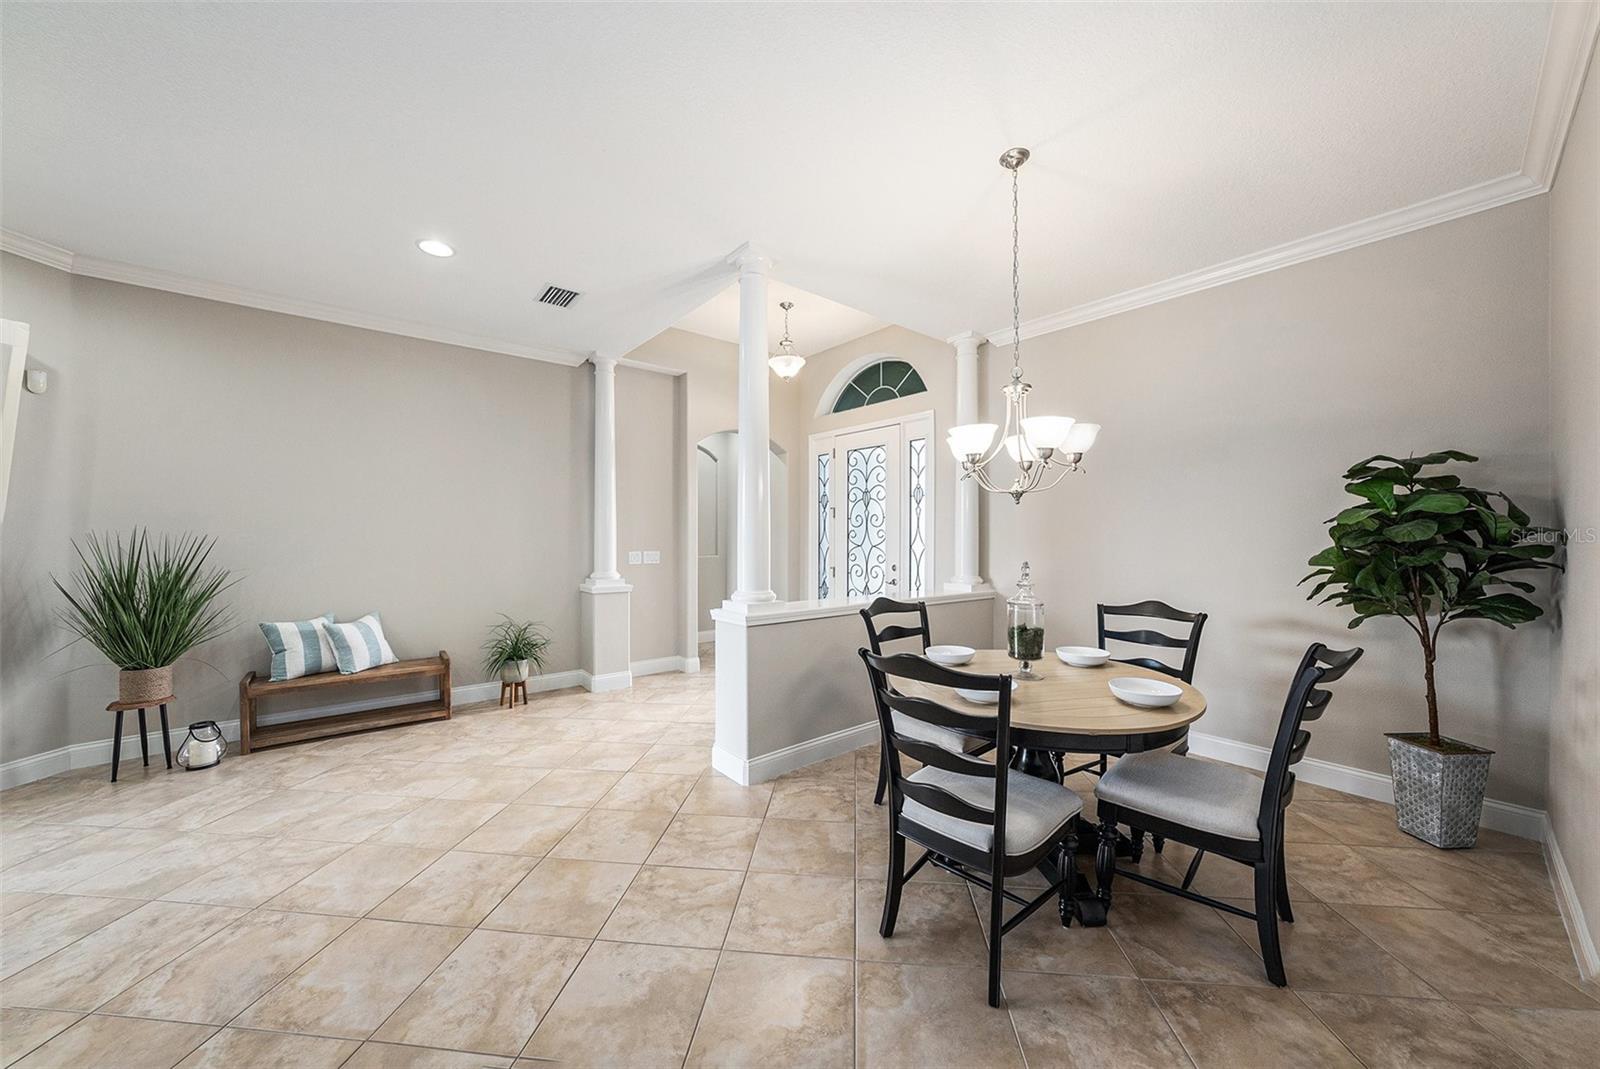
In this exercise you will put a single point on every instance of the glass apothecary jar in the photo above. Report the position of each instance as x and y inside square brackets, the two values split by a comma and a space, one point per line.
[1025, 626]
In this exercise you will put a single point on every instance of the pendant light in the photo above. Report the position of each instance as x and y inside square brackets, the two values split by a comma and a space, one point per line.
[1043, 449]
[786, 362]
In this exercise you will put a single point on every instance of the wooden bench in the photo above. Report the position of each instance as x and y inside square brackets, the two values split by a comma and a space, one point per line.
[252, 688]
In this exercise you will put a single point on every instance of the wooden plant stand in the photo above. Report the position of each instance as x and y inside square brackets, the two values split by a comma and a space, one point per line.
[253, 736]
[509, 692]
[144, 736]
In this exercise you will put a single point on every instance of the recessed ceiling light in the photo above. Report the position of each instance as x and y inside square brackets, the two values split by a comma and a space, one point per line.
[434, 247]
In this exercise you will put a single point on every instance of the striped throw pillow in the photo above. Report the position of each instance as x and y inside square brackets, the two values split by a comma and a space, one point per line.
[300, 647]
[360, 645]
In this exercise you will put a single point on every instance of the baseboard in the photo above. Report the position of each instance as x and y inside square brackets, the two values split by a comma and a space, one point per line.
[86, 754]
[707, 636]
[1522, 821]
[691, 665]
[607, 681]
[1571, 907]
[772, 765]
[657, 665]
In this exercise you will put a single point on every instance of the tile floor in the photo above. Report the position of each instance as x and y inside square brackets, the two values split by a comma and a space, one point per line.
[506, 887]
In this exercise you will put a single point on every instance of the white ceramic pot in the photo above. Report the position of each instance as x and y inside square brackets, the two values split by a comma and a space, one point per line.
[514, 672]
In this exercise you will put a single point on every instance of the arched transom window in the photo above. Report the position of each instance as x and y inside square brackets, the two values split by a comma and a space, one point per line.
[883, 381]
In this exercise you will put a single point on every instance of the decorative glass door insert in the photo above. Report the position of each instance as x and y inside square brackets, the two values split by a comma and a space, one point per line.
[872, 519]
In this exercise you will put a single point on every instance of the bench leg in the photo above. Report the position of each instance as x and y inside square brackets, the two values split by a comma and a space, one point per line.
[166, 738]
[144, 740]
[116, 748]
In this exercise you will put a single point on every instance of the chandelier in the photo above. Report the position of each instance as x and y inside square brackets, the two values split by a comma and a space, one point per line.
[786, 362]
[1042, 448]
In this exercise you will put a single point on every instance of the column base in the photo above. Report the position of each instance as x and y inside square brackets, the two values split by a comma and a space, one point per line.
[967, 584]
[604, 624]
[752, 597]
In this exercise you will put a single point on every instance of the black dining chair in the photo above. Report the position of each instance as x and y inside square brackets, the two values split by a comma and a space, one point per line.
[1220, 809]
[978, 820]
[876, 637]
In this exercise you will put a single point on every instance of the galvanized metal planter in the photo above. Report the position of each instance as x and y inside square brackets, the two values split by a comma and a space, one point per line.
[1438, 795]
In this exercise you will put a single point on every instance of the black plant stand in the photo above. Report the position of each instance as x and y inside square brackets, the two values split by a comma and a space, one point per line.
[144, 736]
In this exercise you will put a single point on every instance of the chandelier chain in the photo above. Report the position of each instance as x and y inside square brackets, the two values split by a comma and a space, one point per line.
[1016, 282]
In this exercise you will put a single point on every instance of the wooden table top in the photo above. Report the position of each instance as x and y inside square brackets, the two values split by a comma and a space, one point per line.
[1069, 701]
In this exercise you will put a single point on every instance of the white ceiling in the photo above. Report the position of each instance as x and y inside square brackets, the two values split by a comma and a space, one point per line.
[815, 323]
[625, 150]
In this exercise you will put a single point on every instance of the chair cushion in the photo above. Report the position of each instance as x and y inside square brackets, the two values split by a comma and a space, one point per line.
[945, 738]
[1036, 809]
[1208, 797]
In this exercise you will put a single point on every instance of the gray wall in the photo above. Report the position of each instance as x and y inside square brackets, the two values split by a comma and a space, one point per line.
[1229, 417]
[1574, 793]
[341, 470]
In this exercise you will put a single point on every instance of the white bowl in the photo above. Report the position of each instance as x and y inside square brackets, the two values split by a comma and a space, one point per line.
[950, 655]
[1145, 693]
[985, 697]
[1083, 656]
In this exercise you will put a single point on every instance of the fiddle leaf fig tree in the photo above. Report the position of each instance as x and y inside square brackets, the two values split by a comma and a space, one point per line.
[1422, 547]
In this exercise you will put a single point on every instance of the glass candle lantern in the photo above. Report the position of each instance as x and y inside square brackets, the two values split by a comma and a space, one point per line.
[1025, 626]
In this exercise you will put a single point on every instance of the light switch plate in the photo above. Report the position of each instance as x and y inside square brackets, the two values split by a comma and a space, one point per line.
[652, 556]
[635, 557]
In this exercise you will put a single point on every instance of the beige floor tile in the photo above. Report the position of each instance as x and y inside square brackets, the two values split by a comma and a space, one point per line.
[58, 869]
[85, 974]
[13, 901]
[570, 787]
[1323, 952]
[237, 1048]
[438, 823]
[771, 1010]
[716, 795]
[529, 830]
[929, 1015]
[460, 888]
[354, 983]
[812, 799]
[488, 995]
[606, 756]
[22, 841]
[1082, 1021]
[23, 1030]
[648, 790]
[118, 1041]
[690, 735]
[782, 914]
[805, 847]
[657, 991]
[1217, 878]
[1460, 960]
[707, 842]
[936, 925]
[1167, 938]
[872, 856]
[393, 1056]
[51, 922]
[1546, 1039]
[1463, 880]
[1391, 1033]
[1539, 937]
[613, 835]
[675, 907]
[545, 755]
[282, 812]
[493, 783]
[1041, 944]
[1344, 874]
[563, 897]
[1227, 1027]
[355, 881]
[1357, 823]
[155, 872]
[679, 760]
[251, 877]
[213, 981]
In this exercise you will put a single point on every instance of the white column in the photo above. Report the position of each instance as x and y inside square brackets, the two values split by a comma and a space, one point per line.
[966, 577]
[754, 550]
[605, 473]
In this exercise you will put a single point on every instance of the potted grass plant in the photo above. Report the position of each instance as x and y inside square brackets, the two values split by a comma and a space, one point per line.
[514, 650]
[1422, 547]
[144, 604]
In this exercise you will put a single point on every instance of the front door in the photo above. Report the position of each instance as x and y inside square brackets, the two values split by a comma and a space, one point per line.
[867, 550]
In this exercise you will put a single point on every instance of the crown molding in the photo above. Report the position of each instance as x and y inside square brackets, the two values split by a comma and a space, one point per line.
[171, 282]
[1574, 28]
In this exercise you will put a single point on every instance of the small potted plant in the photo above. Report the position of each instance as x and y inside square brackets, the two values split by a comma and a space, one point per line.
[144, 605]
[1425, 549]
[514, 650]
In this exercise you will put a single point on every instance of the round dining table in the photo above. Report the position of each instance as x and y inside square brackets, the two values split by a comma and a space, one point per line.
[1072, 710]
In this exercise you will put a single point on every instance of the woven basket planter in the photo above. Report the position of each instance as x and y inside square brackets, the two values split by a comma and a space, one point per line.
[1438, 792]
[144, 684]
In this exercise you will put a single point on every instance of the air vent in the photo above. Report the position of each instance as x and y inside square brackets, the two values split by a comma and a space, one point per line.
[557, 296]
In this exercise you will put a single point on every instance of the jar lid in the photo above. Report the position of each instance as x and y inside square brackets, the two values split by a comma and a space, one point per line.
[1024, 594]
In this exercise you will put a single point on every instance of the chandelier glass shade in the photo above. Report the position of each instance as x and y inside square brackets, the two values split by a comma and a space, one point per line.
[786, 363]
[1043, 449]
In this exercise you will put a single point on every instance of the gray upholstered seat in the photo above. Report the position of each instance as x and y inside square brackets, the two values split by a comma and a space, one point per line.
[1198, 794]
[943, 737]
[1035, 808]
